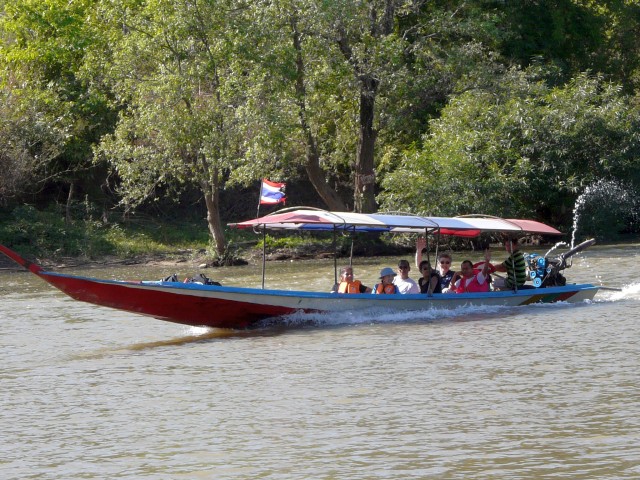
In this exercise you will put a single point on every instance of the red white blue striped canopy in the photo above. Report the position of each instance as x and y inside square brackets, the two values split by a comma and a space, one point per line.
[322, 220]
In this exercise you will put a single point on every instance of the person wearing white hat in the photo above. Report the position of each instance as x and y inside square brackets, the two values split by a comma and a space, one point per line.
[386, 285]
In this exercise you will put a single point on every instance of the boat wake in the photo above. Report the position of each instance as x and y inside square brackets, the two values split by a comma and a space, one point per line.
[628, 292]
[387, 316]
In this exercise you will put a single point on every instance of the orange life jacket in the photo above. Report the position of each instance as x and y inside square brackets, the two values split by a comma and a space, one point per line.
[381, 288]
[349, 287]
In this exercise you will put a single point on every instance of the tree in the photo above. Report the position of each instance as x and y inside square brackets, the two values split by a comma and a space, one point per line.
[312, 166]
[363, 34]
[524, 149]
[405, 59]
[622, 47]
[30, 138]
[44, 43]
[569, 33]
[575, 36]
[175, 68]
[287, 120]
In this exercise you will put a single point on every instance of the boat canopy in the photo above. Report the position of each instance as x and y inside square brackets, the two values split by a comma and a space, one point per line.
[305, 218]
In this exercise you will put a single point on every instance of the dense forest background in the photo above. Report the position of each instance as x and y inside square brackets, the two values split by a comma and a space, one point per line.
[177, 108]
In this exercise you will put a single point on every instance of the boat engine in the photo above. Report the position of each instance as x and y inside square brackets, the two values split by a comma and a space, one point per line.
[546, 271]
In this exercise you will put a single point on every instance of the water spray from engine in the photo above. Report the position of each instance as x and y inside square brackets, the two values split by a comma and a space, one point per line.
[609, 196]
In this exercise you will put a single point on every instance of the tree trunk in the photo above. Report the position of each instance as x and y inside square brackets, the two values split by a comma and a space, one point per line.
[365, 181]
[312, 165]
[365, 177]
[68, 216]
[212, 200]
[317, 179]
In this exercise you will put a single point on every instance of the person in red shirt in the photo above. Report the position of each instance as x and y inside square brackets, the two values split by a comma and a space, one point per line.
[469, 281]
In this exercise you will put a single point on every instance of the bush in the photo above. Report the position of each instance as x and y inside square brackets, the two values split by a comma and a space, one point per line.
[46, 233]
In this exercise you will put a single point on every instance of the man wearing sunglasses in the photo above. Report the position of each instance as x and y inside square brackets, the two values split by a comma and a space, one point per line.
[444, 263]
[402, 280]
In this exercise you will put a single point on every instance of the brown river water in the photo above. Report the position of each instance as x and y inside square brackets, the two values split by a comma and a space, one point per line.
[542, 391]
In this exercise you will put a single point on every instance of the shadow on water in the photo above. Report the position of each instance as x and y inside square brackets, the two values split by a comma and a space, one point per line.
[269, 328]
[208, 335]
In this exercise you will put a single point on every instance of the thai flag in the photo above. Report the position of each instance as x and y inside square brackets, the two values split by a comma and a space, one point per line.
[272, 193]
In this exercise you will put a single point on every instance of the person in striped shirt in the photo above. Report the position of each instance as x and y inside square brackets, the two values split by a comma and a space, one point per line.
[514, 266]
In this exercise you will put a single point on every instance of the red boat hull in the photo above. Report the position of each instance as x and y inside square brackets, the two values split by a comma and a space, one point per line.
[180, 306]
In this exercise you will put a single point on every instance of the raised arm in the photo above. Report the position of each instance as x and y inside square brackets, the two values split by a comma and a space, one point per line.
[487, 262]
[421, 243]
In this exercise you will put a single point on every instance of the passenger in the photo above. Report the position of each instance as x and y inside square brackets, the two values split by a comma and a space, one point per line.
[429, 282]
[386, 285]
[467, 281]
[446, 274]
[403, 282]
[444, 261]
[514, 266]
[348, 284]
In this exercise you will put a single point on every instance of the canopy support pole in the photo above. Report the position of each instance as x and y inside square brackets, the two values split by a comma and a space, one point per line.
[351, 252]
[264, 253]
[335, 257]
[426, 238]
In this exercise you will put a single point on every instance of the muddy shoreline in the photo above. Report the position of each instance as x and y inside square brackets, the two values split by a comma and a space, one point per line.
[199, 257]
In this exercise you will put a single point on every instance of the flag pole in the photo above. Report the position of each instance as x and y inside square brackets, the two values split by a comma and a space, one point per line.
[259, 200]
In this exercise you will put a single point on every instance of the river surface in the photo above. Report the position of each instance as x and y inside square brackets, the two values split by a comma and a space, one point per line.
[543, 391]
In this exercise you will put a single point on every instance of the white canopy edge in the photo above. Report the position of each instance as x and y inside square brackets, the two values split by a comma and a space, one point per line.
[319, 220]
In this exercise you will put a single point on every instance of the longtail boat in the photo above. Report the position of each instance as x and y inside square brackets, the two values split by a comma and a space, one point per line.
[199, 304]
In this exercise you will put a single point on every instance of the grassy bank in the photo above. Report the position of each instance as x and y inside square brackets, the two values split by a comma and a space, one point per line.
[47, 234]
[138, 238]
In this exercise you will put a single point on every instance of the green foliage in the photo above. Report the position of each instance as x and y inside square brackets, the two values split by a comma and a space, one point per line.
[31, 135]
[288, 241]
[306, 242]
[229, 257]
[568, 32]
[143, 236]
[50, 113]
[510, 108]
[45, 233]
[524, 149]
[179, 70]
[575, 36]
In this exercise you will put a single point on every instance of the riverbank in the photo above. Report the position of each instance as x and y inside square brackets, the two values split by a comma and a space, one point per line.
[200, 257]
[248, 254]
